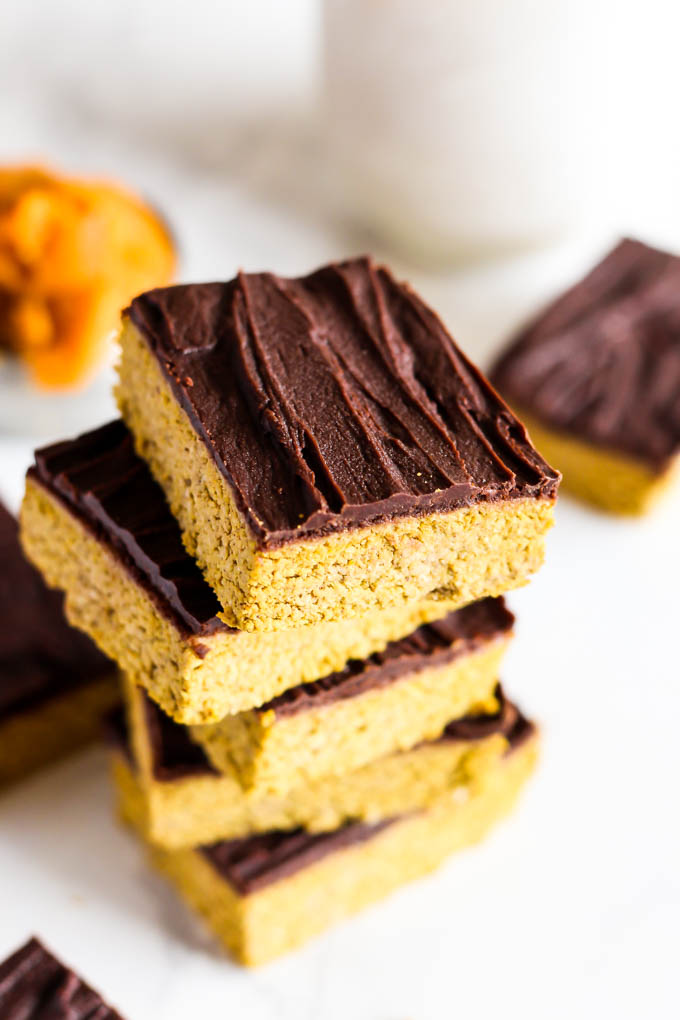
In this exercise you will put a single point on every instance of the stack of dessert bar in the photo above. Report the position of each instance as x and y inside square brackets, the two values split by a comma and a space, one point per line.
[295, 545]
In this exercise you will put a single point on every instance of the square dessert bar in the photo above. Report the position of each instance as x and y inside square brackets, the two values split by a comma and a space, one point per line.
[596, 378]
[267, 894]
[388, 702]
[55, 685]
[327, 449]
[98, 527]
[34, 985]
[175, 797]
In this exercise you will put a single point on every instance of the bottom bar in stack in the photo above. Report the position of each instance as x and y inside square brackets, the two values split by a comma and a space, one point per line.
[267, 893]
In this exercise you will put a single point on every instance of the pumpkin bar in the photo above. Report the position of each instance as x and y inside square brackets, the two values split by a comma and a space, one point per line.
[266, 894]
[177, 799]
[387, 702]
[55, 685]
[327, 449]
[34, 985]
[98, 527]
[596, 378]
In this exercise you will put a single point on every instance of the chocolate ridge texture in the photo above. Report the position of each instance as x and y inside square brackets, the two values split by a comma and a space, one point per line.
[602, 362]
[34, 984]
[335, 400]
[103, 482]
[257, 861]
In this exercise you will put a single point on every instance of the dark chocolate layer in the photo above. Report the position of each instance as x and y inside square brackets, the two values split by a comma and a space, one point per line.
[603, 361]
[109, 488]
[335, 400]
[41, 656]
[508, 721]
[36, 986]
[174, 755]
[431, 646]
[255, 862]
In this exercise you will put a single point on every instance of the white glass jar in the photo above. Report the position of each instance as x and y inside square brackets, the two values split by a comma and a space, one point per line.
[462, 127]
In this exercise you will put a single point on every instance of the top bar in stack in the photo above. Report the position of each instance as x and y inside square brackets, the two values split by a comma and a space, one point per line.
[327, 449]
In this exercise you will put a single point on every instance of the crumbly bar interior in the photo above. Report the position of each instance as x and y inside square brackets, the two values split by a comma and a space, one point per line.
[275, 754]
[265, 924]
[463, 556]
[236, 671]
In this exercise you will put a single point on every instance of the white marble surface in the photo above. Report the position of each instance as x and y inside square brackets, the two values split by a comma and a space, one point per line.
[572, 908]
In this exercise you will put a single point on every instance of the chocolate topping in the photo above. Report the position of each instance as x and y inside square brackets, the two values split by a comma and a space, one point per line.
[257, 861]
[334, 400]
[508, 721]
[430, 646]
[101, 480]
[40, 654]
[36, 986]
[174, 755]
[603, 361]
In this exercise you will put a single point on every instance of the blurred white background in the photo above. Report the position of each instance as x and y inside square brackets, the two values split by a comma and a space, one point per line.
[220, 113]
[217, 113]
